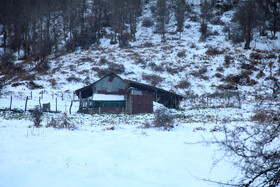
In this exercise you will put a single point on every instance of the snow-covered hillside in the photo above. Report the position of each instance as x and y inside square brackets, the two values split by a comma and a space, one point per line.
[204, 66]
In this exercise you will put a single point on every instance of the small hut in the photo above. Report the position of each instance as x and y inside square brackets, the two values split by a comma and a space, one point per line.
[112, 94]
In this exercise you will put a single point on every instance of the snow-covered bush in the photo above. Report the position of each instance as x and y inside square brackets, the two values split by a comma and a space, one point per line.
[61, 122]
[162, 118]
[36, 116]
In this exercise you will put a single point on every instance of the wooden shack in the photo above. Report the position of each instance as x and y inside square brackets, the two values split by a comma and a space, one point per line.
[112, 94]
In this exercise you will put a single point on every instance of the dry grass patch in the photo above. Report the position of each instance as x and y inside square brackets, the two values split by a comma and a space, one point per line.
[153, 79]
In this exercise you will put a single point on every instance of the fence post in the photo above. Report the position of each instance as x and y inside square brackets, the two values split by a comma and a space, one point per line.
[11, 101]
[40, 102]
[239, 100]
[207, 105]
[26, 103]
[70, 107]
[56, 105]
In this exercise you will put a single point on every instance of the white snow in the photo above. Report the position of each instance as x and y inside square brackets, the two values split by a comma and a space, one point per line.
[93, 155]
[106, 97]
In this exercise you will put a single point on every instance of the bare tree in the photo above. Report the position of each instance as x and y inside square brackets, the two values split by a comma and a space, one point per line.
[162, 16]
[256, 150]
[180, 15]
[274, 16]
[247, 18]
[205, 15]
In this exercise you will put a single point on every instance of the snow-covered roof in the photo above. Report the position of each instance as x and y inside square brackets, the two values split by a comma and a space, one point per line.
[106, 97]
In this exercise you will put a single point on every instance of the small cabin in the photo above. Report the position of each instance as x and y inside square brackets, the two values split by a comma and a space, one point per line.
[112, 94]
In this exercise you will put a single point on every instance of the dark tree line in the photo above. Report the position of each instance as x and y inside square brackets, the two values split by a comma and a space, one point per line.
[41, 27]
[262, 15]
[36, 28]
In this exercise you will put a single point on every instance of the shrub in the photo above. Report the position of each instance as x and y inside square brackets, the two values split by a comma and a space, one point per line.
[181, 54]
[42, 66]
[113, 68]
[36, 116]
[7, 61]
[32, 85]
[162, 118]
[62, 122]
[232, 79]
[227, 87]
[260, 74]
[73, 78]
[53, 82]
[212, 51]
[203, 30]
[102, 72]
[153, 79]
[140, 60]
[192, 45]
[227, 60]
[220, 69]
[199, 129]
[183, 84]
[124, 40]
[264, 115]
[203, 70]
[206, 78]
[147, 22]
[172, 70]
[103, 61]
[218, 75]
[117, 68]
[246, 66]
[148, 44]
[256, 56]
[86, 59]
[236, 37]
[252, 82]
[217, 21]
[53, 123]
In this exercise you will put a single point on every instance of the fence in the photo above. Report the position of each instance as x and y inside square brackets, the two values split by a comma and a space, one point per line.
[225, 99]
[49, 101]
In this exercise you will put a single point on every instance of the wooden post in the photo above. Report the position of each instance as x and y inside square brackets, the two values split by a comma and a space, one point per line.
[62, 96]
[26, 104]
[56, 105]
[80, 98]
[156, 96]
[239, 101]
[11, 101]
[70, 107]
[42, 94]
[40, 102]
[207, 105]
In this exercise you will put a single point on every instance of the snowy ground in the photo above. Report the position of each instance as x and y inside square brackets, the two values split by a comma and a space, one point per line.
[94, 155]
